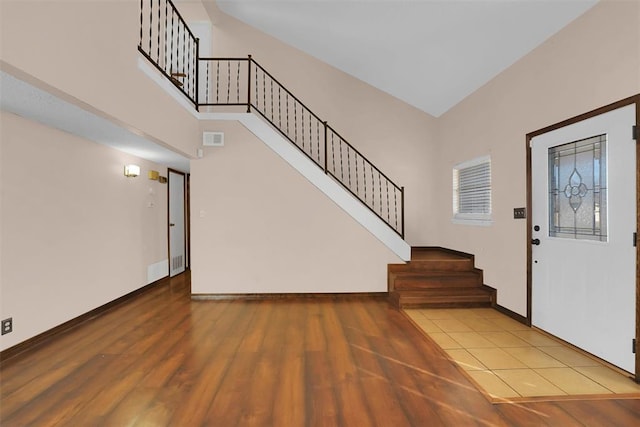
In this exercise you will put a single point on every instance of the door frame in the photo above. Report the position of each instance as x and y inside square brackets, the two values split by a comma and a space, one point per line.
[635, 99]
[186, 212]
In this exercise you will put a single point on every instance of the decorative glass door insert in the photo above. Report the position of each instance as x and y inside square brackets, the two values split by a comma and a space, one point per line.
[578, 189]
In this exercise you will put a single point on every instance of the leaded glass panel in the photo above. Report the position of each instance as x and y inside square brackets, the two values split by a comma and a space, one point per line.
[578, 189]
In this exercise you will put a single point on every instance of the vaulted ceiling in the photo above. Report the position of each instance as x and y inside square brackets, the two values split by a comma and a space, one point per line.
[428, 53]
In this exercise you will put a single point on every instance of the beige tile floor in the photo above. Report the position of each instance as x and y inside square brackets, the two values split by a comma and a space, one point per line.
[510, 360]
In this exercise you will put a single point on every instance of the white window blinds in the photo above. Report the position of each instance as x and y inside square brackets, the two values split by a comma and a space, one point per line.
[472, 189]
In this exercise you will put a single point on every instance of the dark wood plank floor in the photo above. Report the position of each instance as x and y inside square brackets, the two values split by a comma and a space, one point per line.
[165, 360]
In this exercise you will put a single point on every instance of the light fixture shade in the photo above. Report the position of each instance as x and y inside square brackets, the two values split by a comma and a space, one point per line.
[131, 170]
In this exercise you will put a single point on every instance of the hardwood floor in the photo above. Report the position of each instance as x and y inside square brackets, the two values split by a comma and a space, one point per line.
[165, 360]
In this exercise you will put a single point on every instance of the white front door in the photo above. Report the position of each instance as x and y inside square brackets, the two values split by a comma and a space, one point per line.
[584, 217]
[177, 246]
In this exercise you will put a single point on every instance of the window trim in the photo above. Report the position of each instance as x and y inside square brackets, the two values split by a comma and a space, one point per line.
[480, 219]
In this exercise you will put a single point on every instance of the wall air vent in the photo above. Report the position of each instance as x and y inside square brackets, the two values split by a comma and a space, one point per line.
[213, 139]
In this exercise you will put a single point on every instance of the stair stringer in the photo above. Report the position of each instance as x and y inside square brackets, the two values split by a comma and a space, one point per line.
[307, 168]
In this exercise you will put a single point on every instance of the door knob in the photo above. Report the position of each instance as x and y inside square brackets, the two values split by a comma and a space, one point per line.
[535, 242]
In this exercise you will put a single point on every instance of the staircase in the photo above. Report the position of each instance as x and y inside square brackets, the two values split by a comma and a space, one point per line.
[437, 277]
[242, 84]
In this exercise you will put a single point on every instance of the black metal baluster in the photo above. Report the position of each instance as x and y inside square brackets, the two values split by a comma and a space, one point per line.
[357, 178]
[228, 81]
[271, 91]
[302, 126]
[141, 21]
[349, 165]
[217, 82]
[166, 31]
[159, 21]
[388, 214]
[333, 155]
[318, 139]
[194, 69]
[185, 64]
[341, 164]
[380, 185]
[364, 176]
[207, 85]
[287, 104]
[150, 24]
[310, 135]
[279, 108]
[238, 84]
[264, 93]
[395, 206]
[172, 38]
[373, 187]
[184, 54]
[295, 121]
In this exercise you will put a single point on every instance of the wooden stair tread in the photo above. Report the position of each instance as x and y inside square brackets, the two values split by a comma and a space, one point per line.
[414, 274]
[429, 254]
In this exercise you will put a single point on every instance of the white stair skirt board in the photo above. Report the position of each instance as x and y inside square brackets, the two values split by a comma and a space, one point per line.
[292, 155]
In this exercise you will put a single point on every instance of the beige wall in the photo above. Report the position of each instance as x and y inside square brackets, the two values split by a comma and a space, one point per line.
[88, 50]
[263, 222]
[258, 226]
[592, 62]
[396, 137]
[76, 233]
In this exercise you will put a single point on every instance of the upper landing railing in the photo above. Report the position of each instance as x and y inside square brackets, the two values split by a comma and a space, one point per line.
[167, 42]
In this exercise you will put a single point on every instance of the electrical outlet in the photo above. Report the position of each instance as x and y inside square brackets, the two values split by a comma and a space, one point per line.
[7, 325]
[519, 213]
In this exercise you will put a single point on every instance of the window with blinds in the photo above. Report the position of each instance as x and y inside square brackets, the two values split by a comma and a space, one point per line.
[472, 191]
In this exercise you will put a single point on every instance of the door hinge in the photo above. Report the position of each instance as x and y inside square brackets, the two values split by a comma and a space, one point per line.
[635, 239]
[634, 132]
[633, 346]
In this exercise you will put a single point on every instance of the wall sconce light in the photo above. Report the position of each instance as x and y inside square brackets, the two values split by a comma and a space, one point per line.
[154, 175]
[131, 171]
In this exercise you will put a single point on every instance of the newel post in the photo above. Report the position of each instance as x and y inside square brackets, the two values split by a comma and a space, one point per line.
[197, 85]
[325, 146]
[402, 207]
[249, 85]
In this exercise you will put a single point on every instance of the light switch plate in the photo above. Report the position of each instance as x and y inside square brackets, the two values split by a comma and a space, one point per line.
[519, 213]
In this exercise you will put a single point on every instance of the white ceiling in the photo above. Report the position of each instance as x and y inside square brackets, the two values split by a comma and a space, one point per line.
[428, 53]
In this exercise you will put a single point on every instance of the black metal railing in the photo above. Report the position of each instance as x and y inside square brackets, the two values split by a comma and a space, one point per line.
[168, 43]
[223, 81]
[324, 146]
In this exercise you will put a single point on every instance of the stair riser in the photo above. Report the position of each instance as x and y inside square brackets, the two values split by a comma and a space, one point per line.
[404, 300]
[443, 282]
[447, 304]
[427, 266]
[444, 298]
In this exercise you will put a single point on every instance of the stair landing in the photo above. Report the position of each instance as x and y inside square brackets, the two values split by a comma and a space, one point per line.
[438, 277]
